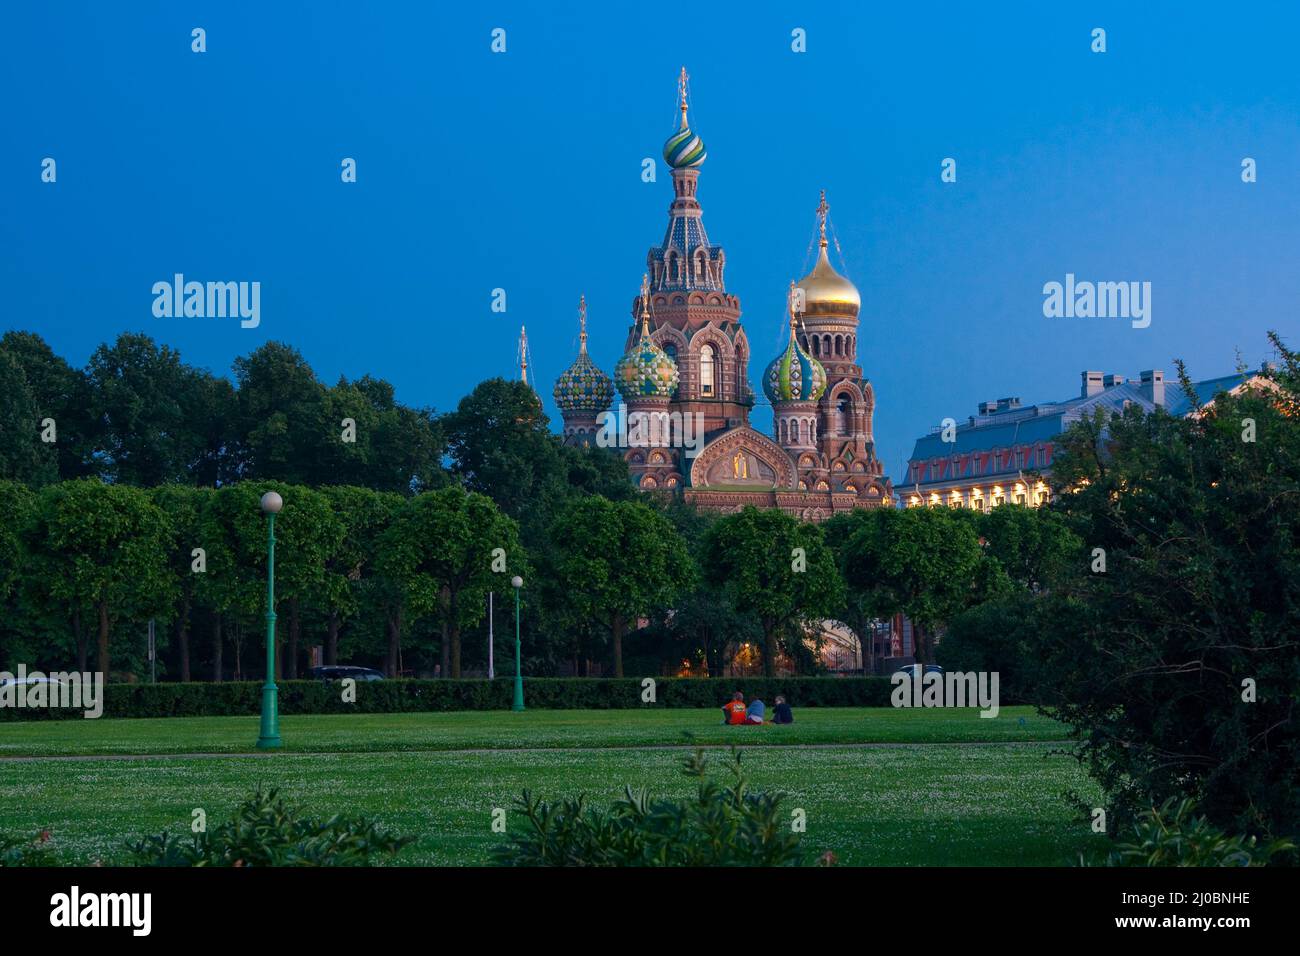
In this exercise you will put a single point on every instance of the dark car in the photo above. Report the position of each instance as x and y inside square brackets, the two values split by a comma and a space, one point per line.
[343, 672]
[912, 670]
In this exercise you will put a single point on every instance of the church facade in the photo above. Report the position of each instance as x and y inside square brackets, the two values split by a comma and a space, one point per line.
[685, 372]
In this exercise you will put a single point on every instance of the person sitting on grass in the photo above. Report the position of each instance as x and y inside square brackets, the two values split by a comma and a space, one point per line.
[733, 712]
[755, 713]
[781, 713]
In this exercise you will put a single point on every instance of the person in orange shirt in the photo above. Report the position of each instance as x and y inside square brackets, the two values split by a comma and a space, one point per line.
[734, 711]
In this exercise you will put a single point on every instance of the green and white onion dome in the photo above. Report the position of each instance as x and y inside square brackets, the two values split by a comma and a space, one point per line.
[684, 149]
[647, 371]
[794, 376]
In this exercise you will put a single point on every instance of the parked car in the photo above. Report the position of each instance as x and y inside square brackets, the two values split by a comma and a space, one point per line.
[914, 671]
[6, 681]
[331, 672]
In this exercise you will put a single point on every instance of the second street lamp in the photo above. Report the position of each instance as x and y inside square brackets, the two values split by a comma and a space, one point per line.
[517, 582]
[269, 737]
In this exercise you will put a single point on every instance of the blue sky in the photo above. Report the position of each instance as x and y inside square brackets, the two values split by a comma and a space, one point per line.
[522, 171]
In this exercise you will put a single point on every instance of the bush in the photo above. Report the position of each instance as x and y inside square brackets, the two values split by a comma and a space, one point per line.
[1171, 836]
[394, 696]
[265, 831]
[722, 826]
[34, 852]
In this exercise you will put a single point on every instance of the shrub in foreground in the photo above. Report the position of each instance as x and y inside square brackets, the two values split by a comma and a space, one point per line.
[1170, 835]
[265, 831]
[722, 825]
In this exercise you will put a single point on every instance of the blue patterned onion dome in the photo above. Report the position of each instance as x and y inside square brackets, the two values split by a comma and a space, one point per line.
[794, 376]
[582, 387]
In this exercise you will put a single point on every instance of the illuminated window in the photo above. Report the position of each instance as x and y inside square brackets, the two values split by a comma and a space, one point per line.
[706, 370]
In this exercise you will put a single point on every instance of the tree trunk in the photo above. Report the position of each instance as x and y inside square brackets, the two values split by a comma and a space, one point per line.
[453, 615]
[332, 639]
[216, 647]
[83, 651]
[769, 650]
[444, 649]
[183, 640]
[103, 639]
[616, 632]
[239, 648]
[920, 644]
[394, 642]
[295, 630]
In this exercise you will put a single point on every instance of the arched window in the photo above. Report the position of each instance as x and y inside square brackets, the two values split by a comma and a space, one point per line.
[843, 415]
[706, 371]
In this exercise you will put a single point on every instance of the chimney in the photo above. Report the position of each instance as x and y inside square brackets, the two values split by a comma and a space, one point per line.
[1153, 387]
[1091, 384]
[1111, 381]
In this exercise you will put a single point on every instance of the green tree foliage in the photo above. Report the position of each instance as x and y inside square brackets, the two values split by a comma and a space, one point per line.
[723, 825]
[61, 393]
[392, 447]
[363, 515]
[106, 550]
[440, 553]
[23, 457]
[1179, 661]
[184, 508]
[924, 562]
[617, 561]
[775, 568]
[283, 414]
[151, 411]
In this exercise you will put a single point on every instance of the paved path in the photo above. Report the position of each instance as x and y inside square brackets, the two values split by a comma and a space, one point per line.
[485, 751]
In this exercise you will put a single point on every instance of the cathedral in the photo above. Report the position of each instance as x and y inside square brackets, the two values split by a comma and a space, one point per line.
[686, 367]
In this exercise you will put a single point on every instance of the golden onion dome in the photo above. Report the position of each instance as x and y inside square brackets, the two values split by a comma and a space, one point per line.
[825, 291]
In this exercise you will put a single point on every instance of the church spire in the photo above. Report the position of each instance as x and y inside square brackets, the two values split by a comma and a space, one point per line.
[523, 355]
[645, 305]
[582, 325]
[822, 211]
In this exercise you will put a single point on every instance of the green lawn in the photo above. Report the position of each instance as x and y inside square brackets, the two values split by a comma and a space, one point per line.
[462, 730]
[931, 799]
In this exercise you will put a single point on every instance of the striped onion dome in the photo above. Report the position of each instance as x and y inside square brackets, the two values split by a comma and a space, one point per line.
[684, 150]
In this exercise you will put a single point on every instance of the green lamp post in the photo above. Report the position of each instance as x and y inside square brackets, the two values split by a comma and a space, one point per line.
[517, 582]
[269, 737]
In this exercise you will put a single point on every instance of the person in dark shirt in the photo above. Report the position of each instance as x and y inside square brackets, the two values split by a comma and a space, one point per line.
[781, 712]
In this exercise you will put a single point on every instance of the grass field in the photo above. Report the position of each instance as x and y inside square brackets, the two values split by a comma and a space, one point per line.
[947, 788]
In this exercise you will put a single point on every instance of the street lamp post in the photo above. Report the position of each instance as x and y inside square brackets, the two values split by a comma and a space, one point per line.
[269, 737]
[517, 582]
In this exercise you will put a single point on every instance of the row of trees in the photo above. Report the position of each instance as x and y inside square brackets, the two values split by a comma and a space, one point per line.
[375, 573]
[137, 414]
[158, 459]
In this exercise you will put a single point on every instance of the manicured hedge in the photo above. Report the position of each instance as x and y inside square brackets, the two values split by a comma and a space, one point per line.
[392, 696]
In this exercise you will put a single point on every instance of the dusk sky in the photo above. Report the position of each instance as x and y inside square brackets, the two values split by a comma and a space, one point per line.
[522, 171]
